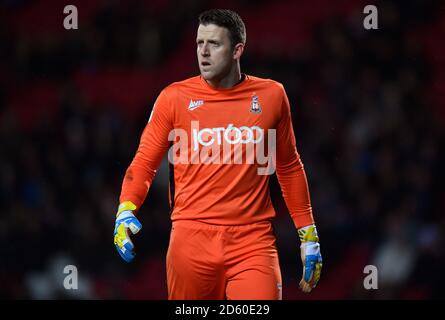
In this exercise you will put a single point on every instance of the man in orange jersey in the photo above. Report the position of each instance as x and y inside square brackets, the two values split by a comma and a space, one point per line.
[216, 127]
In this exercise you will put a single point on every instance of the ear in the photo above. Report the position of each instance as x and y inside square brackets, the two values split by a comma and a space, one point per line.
[238, 51]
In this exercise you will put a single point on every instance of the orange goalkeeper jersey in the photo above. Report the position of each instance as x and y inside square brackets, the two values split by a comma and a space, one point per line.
[223, 144]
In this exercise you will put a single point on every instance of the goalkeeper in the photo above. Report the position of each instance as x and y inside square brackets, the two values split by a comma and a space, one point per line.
[222, 244]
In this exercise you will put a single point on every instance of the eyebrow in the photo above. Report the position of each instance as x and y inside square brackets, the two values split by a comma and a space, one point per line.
[209, 41]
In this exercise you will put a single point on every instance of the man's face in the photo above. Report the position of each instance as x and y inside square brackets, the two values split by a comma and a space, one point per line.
[215, 53]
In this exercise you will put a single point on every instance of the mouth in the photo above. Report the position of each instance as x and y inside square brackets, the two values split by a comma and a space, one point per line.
[205, 63]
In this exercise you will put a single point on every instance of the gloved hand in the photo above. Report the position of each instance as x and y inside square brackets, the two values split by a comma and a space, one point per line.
[311, 257]
[126, 220]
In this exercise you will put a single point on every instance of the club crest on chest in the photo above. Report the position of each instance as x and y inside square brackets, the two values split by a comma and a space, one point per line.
[255, 106]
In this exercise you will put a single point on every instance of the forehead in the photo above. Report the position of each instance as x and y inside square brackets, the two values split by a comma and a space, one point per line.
[212, 31]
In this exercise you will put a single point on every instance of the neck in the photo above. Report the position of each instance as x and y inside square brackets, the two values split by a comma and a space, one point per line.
[228, 81]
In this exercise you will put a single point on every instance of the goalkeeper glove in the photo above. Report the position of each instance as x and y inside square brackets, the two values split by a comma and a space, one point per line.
[310, 256]
[125, 220]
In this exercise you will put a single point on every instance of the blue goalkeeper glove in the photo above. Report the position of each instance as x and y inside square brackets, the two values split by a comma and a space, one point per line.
[126, 220]
[311, 257]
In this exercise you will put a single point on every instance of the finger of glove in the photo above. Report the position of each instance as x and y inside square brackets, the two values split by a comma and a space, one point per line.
[125, 254]
[121, 237]
[317, 273]
[311, 263]
[308, 271]
[123, 243]
[134, 225]
[311, 282]
[305, 287]
[316, 264]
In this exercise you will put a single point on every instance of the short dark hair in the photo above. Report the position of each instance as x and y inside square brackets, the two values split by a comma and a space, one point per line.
[227, 19]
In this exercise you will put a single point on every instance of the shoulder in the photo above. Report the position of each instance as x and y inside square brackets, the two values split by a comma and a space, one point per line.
[274, 90]
[270, 84]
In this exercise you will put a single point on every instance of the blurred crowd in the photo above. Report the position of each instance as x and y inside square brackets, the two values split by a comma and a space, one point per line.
[74, 103]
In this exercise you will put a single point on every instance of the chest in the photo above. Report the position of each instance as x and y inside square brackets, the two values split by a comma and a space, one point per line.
[245, 110]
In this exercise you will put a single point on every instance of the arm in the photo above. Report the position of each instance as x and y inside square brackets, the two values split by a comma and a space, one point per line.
[294, 186]
[152, 147]
[139, 175]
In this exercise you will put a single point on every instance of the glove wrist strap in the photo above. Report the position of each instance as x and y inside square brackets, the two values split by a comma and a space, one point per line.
[125, 206]
[308, 234]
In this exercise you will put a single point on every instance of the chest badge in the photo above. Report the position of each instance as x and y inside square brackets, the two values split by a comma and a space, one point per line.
[255, 106]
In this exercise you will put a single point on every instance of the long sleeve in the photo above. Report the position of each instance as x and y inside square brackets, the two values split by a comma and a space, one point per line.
[290, 170]
[152, 147]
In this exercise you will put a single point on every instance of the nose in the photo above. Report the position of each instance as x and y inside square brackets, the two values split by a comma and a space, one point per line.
[204, 51]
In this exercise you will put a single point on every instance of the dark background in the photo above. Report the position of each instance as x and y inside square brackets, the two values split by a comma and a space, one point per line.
[367, 111]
